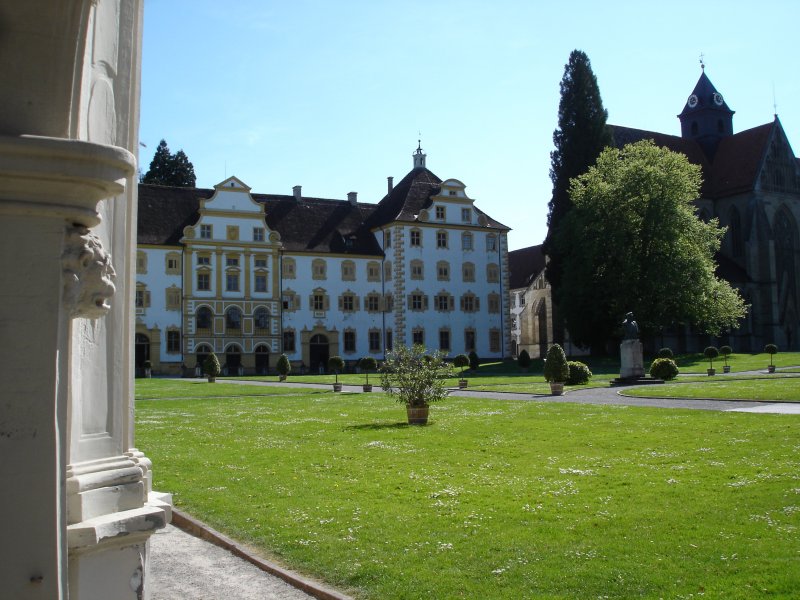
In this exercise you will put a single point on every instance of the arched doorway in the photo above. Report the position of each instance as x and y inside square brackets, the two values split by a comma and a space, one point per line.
[233, 359]
[142, 352]
[262, 359]
[201, 352]
[318, 353]
[541, 325]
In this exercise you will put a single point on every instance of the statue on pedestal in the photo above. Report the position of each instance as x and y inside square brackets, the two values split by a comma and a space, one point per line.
[631, 356]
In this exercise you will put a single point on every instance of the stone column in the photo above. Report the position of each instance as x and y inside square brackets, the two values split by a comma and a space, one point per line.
[75, 497]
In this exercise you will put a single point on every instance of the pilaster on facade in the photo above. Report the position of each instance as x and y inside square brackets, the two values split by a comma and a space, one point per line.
[398, 244]
[505, 298]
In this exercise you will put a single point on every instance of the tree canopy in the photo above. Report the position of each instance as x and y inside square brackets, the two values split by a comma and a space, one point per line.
[170, 169]
[580, 137]
[633, 242]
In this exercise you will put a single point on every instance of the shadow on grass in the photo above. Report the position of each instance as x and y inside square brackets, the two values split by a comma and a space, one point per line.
[376, 426]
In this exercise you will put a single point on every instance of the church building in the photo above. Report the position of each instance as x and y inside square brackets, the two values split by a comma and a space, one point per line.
[751, 183]
[251, 276]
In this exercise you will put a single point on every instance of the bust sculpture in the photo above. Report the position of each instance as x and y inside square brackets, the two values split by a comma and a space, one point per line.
[630, 328]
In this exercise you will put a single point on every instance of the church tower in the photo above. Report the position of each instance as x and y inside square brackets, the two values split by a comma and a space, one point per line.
[706, 117]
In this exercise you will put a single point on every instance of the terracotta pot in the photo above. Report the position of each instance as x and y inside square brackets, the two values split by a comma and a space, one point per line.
[462, 383]
[281, 377]
[711, 372]
[771, 369]
[417, 415]
[557, 388]
[337, 387]
[211, 379]
[726, 369]
[367, 387]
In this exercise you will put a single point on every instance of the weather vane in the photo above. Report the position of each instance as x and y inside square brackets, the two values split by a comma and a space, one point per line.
[702, 64]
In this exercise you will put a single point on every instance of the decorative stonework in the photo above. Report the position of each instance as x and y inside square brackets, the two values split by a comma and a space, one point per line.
[87, 274]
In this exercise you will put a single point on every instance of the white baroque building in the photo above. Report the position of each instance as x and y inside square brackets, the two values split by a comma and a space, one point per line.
[250, 276]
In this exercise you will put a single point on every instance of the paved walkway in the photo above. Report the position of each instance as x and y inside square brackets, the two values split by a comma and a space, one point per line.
[185, 567]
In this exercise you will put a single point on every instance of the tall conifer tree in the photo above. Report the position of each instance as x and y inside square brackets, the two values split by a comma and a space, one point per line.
[579, 139]
[170, 169]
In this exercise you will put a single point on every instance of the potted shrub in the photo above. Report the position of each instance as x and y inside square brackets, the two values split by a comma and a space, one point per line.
[665, 353]
[711, 353]
[524, 361]
[579, 373]
[211, 367]
[415, 379]
[664, 368]
[368, 364]
[148, 369]
[556, 369]
[459, 362]
[474, 361]
[771, 349]
[336, 364]
[726, 351]
[284, 367]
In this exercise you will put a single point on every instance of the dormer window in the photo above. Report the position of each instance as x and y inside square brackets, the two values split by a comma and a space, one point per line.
[440, 213]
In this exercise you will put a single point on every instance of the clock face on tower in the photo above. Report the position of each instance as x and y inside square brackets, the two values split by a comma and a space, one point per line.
[717, 99]
[692, 102]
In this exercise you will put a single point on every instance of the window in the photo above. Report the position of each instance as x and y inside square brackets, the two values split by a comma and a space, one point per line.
[389, 339]
[232, 282]
[416, 238]
[349, 341]
[173, 263]
[444, 340]
[373, 302]
[469, 340]
[468, 272]
[418, 337]
[494, 303]
[203, 282]
[374, 340]
[290, 301]
[388, 303]
[318, 302]
[173, 298]
[441, 239]
[348, 270]
[494, 340]
[141, 262]
[491, 243]
[232, 232]
[206, 232]
[231, 261]
[440, 213]
[466, 215]
[492, 273]
[288, 341]
[387, 270]
[288, 268]
[319, 269]
[373, 271]
[261, 319]
[348, 302]
[260, 283]
[443, 302]
[443, 271]
[387, 239]
[469, 302]
[417, 269]
[173, 341]
[203, 318]
[417, 301]
[258, 234]
[203, 260]
[260, 262]
[142, 296]
[466, 241]
[233, 319]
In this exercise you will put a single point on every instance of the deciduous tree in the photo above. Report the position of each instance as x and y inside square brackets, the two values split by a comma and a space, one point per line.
[633, 242]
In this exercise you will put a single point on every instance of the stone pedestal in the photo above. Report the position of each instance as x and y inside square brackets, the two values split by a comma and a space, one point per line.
[631, 359]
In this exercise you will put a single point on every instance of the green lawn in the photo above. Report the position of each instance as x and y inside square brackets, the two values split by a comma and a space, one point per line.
[492, 499]
[770, 388]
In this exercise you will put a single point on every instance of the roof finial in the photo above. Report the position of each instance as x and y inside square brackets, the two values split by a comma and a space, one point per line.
[419, 156]
[702, 64]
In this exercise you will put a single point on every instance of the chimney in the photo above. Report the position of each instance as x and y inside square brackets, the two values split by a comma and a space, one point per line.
[352, 198]
[297, 195]
[390, 181]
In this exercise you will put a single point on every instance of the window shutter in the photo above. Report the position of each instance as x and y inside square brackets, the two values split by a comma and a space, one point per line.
[295, 303]
[424, 301]
[477, 303]
[311, 302]
[356, 303]
[410, 304]
[341, 303]
[451, 302]
[147, 298]
[326, 302]
[461, 302]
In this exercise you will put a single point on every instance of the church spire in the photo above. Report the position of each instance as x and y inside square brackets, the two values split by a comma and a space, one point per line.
[419, 156]
[706, 118]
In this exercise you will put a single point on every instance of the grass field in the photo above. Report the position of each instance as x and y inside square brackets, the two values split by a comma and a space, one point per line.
[492, 499]
[769, 389]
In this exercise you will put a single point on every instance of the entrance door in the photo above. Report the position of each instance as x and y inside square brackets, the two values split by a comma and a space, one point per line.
[262, 359]
[233, 360]
[142, 352]
[318, 353]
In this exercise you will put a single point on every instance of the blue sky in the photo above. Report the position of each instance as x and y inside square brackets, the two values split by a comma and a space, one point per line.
[333, 95]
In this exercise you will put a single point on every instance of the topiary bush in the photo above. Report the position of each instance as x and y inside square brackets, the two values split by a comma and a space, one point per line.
[474, 361]
[711, 353]
[336, 364]
[665, 353]
[367, 364]
[524, 360]
[664, 368]
[579, 373]
[556, 369]
[211, 367]
[283, 366]
[771, 349]
[726, 351]
[461, 361]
